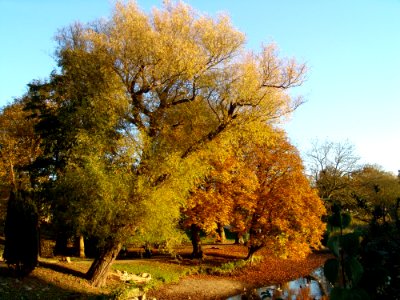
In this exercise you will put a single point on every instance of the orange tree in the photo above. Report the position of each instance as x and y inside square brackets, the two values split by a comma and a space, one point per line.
[211, 204]
[258, 187]
[285, 215]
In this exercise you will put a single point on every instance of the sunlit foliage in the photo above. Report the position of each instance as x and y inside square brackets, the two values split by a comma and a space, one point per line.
[138, 104]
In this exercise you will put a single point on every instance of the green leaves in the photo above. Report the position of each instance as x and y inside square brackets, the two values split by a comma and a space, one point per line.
[334, 245]
[338, 219]
[331, 270]
[344, 271]
[348, 294]
[354, 270]
[350, 243]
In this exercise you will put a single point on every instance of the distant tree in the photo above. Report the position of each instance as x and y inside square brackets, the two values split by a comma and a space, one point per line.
[375, 194]
[331, 165]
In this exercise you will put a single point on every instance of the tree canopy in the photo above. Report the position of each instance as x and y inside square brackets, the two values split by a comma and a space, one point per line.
[130, 125]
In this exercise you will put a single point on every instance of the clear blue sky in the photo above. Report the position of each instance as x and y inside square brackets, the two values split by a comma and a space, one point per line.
[352, 48]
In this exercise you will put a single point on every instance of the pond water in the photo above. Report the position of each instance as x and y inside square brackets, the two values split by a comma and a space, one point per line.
[314, 285]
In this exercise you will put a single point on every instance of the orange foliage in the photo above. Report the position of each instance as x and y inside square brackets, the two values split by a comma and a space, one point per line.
[261, 190]
[287, 213]
[214, 200]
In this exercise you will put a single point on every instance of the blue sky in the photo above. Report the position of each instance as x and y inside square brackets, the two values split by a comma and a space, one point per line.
[352, 48]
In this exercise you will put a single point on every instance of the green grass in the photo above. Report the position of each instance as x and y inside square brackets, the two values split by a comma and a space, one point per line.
[228, 267]
[161, 273]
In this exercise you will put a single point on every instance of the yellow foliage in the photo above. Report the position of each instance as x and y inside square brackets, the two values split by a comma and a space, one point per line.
[19, 145]
[187, 107]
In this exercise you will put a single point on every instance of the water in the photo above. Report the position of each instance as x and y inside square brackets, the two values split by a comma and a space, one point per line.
[316, 282]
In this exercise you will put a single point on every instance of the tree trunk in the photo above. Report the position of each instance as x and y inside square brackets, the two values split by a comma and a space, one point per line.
[252, 249]
[196, 242]
[61, 246]
[80, 246]
[397, 212]
[98, 271]
[239, 239]
[221, 233]
[12, 175]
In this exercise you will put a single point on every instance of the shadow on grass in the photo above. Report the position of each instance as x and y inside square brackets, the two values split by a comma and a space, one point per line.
[35, 287]
[62, 269]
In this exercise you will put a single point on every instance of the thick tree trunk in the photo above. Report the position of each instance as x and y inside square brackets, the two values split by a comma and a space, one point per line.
[196, 242]
[221, 233]
[80, 246]
[98, 271]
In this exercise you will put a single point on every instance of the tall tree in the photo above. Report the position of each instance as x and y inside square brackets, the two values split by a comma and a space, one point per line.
[143, 78]
[19, 147]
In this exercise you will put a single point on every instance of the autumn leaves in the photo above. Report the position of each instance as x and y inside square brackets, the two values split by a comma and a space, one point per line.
[260, 188]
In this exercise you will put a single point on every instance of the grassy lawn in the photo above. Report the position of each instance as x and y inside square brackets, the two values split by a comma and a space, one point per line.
[54, 279]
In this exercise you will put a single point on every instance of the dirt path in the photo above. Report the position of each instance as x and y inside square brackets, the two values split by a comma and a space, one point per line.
[200, 288]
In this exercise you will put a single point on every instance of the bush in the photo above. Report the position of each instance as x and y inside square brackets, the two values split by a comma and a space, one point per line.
[21, 233]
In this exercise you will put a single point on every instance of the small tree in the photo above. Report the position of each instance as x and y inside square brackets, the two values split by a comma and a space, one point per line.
[21, 233]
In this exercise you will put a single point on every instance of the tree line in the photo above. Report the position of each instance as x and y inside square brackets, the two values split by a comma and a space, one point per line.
[363, 226]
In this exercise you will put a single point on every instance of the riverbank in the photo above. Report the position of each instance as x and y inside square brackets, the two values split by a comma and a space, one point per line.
[266, 272]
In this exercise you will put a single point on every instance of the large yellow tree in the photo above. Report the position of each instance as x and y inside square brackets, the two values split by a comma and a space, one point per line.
[172, 81]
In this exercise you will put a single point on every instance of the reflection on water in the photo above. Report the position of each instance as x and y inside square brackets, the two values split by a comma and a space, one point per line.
[315, 286]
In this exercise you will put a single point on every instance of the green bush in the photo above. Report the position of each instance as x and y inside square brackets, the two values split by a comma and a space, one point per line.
[229, 267]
